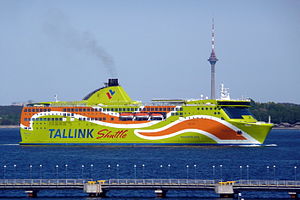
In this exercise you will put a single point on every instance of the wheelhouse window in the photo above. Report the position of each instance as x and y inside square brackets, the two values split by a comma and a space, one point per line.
[237, 112]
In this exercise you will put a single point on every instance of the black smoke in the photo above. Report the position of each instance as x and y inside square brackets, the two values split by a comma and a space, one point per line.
[58, 27]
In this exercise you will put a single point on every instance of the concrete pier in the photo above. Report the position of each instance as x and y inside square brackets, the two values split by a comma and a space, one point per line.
[225, 189]
[160, 187]
[94, 189]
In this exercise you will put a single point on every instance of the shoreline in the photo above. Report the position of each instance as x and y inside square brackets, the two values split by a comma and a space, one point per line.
[286, 128]
[9, 126]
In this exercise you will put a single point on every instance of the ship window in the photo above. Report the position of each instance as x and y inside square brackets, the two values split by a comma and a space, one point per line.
[112, 109]
[80, 110]
[72, 109]
[112, 119]
[181, 109]
[210, 108]
[237, 112]
[29, 110]
[104, 119]
[206, 108]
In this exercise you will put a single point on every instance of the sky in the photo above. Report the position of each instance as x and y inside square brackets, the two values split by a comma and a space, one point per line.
[157, 48]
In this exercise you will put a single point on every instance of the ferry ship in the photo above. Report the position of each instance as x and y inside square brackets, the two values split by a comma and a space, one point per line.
[108, 116]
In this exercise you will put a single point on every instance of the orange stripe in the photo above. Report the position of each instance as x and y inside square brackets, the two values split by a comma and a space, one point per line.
[211, 126]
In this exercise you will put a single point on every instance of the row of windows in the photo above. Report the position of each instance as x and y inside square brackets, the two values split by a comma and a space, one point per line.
[173, 114]
[215, 108]
[61, 119]
[94, 119]
[43, 119]
[37, 110]
[81, 110]
[139, 109]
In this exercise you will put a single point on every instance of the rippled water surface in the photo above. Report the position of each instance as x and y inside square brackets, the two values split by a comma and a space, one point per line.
[275, 160]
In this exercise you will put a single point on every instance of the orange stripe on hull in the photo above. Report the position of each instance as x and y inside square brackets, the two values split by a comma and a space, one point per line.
[211, 126]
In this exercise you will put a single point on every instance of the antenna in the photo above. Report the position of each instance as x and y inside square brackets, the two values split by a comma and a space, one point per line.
[56, 97]
[213, 35]
[212, 60]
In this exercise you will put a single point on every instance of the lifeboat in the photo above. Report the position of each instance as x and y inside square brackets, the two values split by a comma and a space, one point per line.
[156, 116]
[141, 117]
[126, 116]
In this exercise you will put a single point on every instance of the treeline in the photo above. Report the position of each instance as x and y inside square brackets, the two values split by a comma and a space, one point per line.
[279, 112]
[10, 115]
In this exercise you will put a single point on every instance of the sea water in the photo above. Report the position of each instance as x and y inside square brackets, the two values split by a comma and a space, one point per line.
[276, 159]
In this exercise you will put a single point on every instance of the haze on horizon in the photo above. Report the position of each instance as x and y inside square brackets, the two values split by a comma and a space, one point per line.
[157, 49]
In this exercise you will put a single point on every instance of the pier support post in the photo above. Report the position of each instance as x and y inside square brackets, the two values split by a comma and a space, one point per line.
[94, 189]
[31, 193]
[225, 189]
[160, 193]
[293, 195]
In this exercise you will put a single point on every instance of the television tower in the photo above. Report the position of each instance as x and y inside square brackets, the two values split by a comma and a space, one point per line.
[212, 60]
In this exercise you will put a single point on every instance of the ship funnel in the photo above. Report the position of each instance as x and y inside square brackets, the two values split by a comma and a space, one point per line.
[113, 82]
